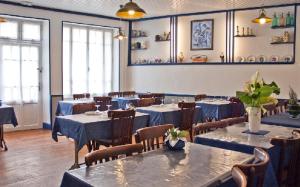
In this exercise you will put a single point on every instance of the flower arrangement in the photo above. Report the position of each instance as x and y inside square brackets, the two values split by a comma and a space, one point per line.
[293, 106]
[175, 139]
[258, 93]
[293, 97]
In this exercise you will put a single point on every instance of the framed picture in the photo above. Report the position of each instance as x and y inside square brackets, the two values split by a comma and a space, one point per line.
[202, 34]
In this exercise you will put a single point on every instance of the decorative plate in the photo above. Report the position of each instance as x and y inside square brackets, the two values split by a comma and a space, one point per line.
[240, 59]
[251, 58]
[287, 58]
[274, 58]
[261, 58]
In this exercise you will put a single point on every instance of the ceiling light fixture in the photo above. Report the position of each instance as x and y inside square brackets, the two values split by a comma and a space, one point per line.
[120, 35]
[130, 11]
[262, 18]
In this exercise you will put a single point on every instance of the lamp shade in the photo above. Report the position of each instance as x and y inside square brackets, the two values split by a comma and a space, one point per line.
[262, 18]
[130, 11]
[120, 35]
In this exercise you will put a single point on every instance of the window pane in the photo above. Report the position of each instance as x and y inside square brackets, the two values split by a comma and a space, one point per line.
[79, 60]
[30, 75]
[96, 78]
[66, 62]
[9, 30]
[31, 31]
[108, 62]
[10, 74]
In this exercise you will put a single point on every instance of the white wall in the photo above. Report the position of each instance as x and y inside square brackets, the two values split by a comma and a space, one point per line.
[212, 79]
[56, 19]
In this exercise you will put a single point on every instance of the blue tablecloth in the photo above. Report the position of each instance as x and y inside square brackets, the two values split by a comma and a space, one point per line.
[167, 114]
[221, 111]
[66, 107]
[281, 120]
[83, 128]
[122, 101]
[233, 138]
[7, 115]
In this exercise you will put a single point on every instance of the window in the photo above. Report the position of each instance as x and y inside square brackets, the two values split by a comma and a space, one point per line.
[88, 63]
[20, 42]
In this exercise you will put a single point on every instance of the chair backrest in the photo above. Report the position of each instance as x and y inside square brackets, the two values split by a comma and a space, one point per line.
[146, 102]
[87, 95]
[236, 120]
[187, 113]
[234, 100]
[255, 172]
[112, 153]
[121, 126]
[128, 93]
[158, 98]
[200, 97]
[78, 96]
[150, 136]
[143, 96]
[289, 159]
[239, 177]
[102, 102]
[271, 110]
[114, 94]
[84, 107]
[282, 105]
[206, 127]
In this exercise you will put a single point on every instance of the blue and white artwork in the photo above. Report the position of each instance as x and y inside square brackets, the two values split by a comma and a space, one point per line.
[202, 34]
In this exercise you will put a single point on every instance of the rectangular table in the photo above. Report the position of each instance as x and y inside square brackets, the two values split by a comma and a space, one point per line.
[282, 119]
[167, 114]
[220, 109]
[123, 101]
[7, 116]
[196, 165]
[233, 138]
[66, 107]
[84, 128]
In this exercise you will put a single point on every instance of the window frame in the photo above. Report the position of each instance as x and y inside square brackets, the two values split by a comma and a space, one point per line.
[88, 28]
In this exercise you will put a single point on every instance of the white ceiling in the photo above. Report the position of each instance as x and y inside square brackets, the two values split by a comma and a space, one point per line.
[153, 7]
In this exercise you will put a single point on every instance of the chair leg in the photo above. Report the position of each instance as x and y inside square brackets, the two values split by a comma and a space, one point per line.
[191, 135]
[89, 146]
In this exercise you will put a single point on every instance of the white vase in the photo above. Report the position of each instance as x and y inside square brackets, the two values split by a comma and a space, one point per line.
[254, 118]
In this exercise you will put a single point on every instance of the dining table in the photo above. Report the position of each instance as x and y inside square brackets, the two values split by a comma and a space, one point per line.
[167, 114]
[238, 138]
[195, 165]
[219, 109]
[85, 127]
[282, 119]
[123, 102]
[7, 116]
[65, 107]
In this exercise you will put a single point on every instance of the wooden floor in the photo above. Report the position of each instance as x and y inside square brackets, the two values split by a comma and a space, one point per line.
[35, 159]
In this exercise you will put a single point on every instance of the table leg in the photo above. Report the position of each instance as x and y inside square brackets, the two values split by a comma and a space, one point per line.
[2, 142]
[76, 151]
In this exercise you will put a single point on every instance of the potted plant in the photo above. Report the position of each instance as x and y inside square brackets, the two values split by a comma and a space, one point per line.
[256, 94]
[293, 106]
[175, 139]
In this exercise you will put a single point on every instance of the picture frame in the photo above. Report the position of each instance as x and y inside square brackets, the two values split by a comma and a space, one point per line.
[202, 34]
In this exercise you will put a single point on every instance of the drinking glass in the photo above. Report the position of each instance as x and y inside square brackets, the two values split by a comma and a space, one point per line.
[97, 107]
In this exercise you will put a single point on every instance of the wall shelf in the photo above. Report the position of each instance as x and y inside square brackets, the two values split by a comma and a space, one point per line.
[139, 36]
[279, 43]
[138, 49]
[244, 36]
[162, 40]
[282, 27]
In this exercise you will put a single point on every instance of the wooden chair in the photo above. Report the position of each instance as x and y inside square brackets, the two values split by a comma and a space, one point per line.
[203, 128]
[159, 97]
[297, 133]
[128, 93]
[255, 172]
[150, 136]
[234, 100]
[145, 96]
[121, 129]
[114, 94]
[112, 153]
[78, 96]
[200, 97]
[236, 120]
[146, 102]
[87, 95]
[102, 102]
[288, 165]
[282, 105]
[84, 107]
[239, 177]
[271, 110]
[187, 113]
